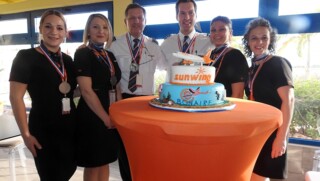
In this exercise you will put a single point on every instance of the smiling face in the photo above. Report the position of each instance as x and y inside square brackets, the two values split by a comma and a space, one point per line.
[53, 32]
[186, 17]
[220, 33]
[135, 22]
[98, 31]
[259, 40]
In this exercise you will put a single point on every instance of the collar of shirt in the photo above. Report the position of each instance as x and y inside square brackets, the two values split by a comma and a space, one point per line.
[132, 38]
[220, 48]
[260, 57]
[190, 35]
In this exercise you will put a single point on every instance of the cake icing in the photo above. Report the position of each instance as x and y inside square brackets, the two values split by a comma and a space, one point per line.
[192, 95]
[192, 87]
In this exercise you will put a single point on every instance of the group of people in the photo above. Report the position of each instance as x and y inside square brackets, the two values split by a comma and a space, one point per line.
[62, 136]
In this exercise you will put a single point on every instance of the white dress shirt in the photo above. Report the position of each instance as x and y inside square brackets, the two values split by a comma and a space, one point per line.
[151, 58]
[170, 45]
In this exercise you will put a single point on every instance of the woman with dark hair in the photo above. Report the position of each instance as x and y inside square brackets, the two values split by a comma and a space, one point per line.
[231, 65]
[270, 82]
[48, 76]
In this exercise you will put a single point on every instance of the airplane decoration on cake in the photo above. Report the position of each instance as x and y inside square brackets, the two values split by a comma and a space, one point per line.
[188, 94]
[189, 59]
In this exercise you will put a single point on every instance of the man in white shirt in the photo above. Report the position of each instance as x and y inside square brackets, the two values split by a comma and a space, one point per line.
[145, 60]
[137, 56]
[187, 40]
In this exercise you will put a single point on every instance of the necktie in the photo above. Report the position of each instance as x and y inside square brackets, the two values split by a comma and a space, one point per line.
[135, 46]
[185, 44]
[133, 74]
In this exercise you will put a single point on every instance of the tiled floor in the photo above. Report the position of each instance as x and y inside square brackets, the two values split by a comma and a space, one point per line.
[29, 173]
[300, 161]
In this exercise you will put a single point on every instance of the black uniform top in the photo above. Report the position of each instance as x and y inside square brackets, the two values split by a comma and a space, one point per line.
[33, 68]
[275, 73]
[232, 67]
[87, 64]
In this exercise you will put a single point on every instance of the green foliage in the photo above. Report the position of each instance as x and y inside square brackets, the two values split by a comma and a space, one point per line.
[307, 108]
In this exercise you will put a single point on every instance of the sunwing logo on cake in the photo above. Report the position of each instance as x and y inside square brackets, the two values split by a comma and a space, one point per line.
[198, 76]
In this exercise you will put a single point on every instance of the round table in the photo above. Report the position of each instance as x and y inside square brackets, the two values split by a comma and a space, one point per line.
[165, 145]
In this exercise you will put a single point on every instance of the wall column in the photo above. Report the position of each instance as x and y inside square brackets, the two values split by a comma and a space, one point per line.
[119, 6]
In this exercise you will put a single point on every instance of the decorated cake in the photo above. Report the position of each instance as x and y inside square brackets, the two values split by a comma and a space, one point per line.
[192, 87]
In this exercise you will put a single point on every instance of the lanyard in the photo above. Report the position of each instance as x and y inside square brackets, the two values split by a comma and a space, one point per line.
[218, 57]
[225, 50]
[103, 54]
[62, 72]
[191, 44]
[251, 80]
[134, 57]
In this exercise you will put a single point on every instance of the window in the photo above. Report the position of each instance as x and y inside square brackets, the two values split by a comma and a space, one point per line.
[306, 75]
[21, 26]
[298, 7]
[72, 20]
[166, 13]
[7, 52]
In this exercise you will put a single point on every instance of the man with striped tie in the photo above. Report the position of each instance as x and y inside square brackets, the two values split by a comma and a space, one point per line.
[187, 40]
[137, 56]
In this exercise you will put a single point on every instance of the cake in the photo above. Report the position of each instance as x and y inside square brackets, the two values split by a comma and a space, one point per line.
[192, 87]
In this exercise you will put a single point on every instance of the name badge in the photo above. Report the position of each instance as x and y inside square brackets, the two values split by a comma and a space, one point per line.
[66, 108]
[112, 96]
[139, 80]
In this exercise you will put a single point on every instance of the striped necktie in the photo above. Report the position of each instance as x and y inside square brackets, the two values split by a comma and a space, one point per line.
[132, 86]
[185, 44]
[135, 46]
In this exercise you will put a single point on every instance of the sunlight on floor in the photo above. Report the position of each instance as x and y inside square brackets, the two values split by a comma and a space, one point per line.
[29, 173]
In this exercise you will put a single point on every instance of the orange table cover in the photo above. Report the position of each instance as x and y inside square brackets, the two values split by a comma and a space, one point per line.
[165, 145]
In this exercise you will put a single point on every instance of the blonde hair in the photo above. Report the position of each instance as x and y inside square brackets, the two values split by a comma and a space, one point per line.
[86, 37]
[48, 13]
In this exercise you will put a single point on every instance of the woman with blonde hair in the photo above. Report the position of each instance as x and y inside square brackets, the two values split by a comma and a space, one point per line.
[98, 74]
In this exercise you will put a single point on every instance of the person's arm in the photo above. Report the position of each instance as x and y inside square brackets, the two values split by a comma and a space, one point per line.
[92, 100]
[237, 90]
[240, 69]
[279, 146]
[17, 91]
